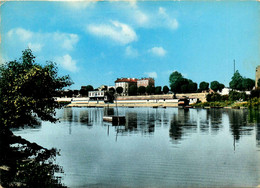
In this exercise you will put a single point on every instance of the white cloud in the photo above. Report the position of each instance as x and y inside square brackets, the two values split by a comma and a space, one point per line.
[35, 47]
[67, 63]
[172, 23]
[67, 41]
[151, 74]
[140, 17]
[158, 51]
[130, 51]
[36, 40]
[22, 34]
[116, 31]
[162, 11]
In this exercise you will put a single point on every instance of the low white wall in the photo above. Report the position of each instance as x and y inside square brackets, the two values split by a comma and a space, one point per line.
[148, 101]
[63, 99]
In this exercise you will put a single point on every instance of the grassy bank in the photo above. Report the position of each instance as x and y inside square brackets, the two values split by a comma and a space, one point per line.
[252, 103]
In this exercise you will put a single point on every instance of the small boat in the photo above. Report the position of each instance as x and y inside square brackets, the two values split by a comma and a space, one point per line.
[114, 119]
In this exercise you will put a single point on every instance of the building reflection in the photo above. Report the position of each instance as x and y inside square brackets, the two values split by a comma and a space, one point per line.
[67, 114]
[139, 123]
[182, 123]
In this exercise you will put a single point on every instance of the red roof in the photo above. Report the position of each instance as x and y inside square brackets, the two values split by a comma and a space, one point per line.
[127, 80]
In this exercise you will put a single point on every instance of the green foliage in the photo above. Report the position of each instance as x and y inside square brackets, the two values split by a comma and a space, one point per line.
[174, 78]
[141, 90]
[119, 90]
[166, 89]
[255, 93]
[219, 104]
[248, 84]
[30, 165]
[254, 103]
[234, 96]
[192, 87]
[216, 86]
[149, 89]
[179, 84]
[132, 90]
[112, 90]
[236, 81]
[85, 89]
[27, 91]
[158, 90]
[240, 83]
[213, 97]
[258, 82]
[204, 86]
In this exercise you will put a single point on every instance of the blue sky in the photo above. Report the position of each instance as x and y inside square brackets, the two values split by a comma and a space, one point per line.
[97, 42]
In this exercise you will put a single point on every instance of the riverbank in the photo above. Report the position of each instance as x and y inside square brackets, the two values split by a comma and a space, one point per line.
[102, 105]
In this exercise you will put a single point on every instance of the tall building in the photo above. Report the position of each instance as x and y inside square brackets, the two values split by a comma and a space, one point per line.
[125, 83]
[145, 82]
[257, 75]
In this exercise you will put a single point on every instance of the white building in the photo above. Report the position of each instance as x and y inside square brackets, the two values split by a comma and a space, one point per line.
[125, 83]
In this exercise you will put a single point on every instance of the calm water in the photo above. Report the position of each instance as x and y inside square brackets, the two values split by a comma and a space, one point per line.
[156, 148]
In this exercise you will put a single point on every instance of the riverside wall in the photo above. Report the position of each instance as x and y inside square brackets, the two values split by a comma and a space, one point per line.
[138, 101]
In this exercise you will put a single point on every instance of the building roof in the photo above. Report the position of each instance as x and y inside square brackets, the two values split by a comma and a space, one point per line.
[132, 80]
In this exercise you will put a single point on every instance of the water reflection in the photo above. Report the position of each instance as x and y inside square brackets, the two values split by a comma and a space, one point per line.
[181, 122]
[156, 147]
[239, 124]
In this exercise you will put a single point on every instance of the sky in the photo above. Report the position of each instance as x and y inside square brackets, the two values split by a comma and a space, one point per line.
[96, 42]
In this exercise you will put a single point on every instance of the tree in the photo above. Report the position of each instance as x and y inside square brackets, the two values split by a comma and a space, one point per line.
[158, 90]
[112, 90]
[75, 92]
[248, 84]
[141, 90]
[175, 80]
[213, 97]
[69, 93]
[192, 86]
[236, 81]
[119, 90]
[149, 89]
[179, 84]
[152, 90]
[234, 95]
[27, 91]
[216, 86]
[204, 86]
[132, 90]
[85, 89]
[165, 89]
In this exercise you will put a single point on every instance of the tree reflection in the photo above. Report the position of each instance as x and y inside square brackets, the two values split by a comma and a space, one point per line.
[175, 128]
[215, 119]
[238, 123]
[182, 123]
[254, 118]
[25, 164]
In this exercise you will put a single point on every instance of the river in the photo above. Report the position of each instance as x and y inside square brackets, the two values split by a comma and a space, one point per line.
[157, 147]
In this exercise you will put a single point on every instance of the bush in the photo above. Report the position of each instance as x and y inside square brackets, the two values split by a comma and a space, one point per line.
[255, 93]
[254, 103]
[234, 96]
[213, 97]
